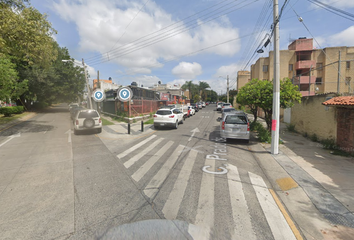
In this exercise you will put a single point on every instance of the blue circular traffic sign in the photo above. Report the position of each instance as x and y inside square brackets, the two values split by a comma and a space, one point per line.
[98, 95]
[124, 94]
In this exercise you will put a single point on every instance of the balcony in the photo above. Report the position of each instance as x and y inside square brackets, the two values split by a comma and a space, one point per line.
[304, 80]
[305, 64]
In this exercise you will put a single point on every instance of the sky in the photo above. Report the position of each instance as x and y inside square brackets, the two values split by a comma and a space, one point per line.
[147, 41]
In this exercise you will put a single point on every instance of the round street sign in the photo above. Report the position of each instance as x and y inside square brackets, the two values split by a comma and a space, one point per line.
[124, 94]
[98, 95]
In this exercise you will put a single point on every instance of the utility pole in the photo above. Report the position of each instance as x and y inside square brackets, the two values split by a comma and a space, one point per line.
[99, 87]
[338, 80]
[310, 81]
[276, 83]
[227, 95]
[87, 85]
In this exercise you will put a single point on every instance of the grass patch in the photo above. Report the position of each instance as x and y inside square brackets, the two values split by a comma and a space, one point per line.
[105, 122]
[4, 120]
[150, 121]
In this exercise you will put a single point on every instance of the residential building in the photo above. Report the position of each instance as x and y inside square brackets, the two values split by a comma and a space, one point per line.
[243, 77]
[315, 71]
[104, 84]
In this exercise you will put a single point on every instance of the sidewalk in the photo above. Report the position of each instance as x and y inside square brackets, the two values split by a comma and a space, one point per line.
[316, 187]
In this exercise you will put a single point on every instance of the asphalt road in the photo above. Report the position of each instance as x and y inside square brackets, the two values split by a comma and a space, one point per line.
[184, 183]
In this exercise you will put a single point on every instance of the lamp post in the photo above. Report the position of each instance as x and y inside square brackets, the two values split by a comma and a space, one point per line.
[87, 82]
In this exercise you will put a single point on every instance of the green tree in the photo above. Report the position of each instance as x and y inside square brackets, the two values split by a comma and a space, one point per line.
[188, 85]
[202, 87]
[259, 93]
[10, 87]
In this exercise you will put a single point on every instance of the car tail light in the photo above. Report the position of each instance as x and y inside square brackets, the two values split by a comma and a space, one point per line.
[99, 120]
[172, 116]
[248, 127]
[223, 125]
[155, 115]
[77, 122]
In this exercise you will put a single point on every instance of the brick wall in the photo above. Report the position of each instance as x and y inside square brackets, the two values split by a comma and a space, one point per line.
[345, 129]
[311, 117]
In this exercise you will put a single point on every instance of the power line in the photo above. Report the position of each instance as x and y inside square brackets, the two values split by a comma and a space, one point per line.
[159, 39]
[334, 10]
[162, 29]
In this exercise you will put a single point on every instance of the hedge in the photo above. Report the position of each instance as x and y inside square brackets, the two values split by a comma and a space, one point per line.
[8, 111]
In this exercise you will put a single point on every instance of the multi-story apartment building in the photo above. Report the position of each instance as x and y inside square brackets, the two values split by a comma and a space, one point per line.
[315, 71]
[243, 77]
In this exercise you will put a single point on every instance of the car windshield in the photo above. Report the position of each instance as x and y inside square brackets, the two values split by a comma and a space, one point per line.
[89, 114]
[236, 119]
[163, 112]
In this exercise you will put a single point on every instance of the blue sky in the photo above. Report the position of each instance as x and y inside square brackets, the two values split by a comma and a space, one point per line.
[148, 41]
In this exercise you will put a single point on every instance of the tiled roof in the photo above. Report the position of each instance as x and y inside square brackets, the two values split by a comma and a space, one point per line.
[340, 101]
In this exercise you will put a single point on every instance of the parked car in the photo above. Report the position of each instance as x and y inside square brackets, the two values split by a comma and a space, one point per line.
[226, 105]
[203, 104]
[219, 106]
[192, 110]
[167, 117]
[235, 126]
[71, 105]
[200, 105]
[195, 106]
[74, 110]
[87, 119]
[225, 111]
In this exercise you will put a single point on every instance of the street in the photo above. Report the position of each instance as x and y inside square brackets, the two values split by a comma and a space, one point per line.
[184, 183]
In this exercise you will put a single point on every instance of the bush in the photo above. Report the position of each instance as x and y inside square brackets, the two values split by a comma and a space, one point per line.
[263, 134]
[8, 111]
[314, 137]
[254, 126]
[291, 128]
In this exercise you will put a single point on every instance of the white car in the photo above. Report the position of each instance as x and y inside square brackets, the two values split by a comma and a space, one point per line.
[166, 117]
[87, 119]
[192, 110]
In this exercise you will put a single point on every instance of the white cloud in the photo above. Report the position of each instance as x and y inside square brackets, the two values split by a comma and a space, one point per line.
[187, 70]
[343, 38]
[230, 70]
[106, 24]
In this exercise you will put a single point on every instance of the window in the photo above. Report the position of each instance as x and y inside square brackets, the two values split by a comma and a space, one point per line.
[319, 80]
[291, 67]
[348, 64]
[319, 66]
[234, 119]
[265, 68]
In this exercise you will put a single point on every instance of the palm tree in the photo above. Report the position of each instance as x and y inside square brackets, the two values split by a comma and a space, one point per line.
[202, 86]
[188, 85]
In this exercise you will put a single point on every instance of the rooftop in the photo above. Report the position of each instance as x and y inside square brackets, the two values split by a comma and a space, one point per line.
[340, 101]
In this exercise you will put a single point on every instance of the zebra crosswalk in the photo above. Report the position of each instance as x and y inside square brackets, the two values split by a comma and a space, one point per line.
[151, 162]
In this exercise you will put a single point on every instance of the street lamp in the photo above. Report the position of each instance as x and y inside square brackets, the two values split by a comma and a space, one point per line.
[87, 83]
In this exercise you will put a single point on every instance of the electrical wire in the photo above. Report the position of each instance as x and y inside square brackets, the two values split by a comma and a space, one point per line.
[181, 22]
[155, 40]
[334, 10]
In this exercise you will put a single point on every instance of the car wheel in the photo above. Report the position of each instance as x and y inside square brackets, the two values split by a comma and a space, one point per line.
[99, 130]
[176, 125]
[76, 132]
[156, 127]
[89, 123]
[247, 141]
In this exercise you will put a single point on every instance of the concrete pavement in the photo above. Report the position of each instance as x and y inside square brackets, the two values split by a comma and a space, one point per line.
[315, 186]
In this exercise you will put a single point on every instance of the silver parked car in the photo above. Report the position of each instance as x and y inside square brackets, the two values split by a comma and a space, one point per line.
[235, 125]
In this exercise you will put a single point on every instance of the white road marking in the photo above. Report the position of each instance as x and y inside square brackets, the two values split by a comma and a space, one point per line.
[171, 207]
[242, 226]
[136, 158]
[152, 188]
[69, 135]
[275, 218]
[10, 138]
[205, 211]
[186, 149]
[193, 132]
[125, 153]
[149, 163]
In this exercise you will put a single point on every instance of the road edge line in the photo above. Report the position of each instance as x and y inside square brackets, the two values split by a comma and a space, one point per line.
[288, 219]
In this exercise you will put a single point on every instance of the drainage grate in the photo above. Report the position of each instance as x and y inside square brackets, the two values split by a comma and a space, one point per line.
[339, 219]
